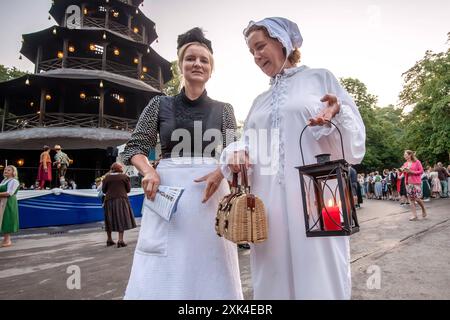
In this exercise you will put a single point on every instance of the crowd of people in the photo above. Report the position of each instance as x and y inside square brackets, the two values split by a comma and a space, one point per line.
[410, 184]
[391, 185]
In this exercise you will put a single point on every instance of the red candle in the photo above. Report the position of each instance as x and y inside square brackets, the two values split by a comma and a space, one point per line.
[331, 217]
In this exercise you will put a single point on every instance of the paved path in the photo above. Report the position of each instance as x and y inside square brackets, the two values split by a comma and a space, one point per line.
[406, 260]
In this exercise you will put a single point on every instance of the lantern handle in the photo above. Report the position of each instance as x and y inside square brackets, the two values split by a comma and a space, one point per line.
[301, 136]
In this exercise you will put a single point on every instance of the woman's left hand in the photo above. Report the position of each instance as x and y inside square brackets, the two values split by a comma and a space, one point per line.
[328, 113]
[213, 181]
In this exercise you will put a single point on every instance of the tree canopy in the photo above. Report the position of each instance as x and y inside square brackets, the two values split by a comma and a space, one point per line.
[173, 87]
[427, 89]
[10, 73]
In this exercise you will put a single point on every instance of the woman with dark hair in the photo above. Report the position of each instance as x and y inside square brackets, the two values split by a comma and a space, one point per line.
[183, 258]
[45, 168]
[119, 216]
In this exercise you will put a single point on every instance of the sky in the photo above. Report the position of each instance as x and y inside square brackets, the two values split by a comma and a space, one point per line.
[372, 40]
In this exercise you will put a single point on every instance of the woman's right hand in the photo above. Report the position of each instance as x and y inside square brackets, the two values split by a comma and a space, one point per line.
[238, 158]
[150, 184]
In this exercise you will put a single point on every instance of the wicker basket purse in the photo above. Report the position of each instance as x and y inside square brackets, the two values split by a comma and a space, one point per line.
[241, 216]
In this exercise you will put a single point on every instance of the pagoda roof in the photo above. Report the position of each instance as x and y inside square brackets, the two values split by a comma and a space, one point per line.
[32, 41]
[74, 138]
[54, 77]
[58, 11]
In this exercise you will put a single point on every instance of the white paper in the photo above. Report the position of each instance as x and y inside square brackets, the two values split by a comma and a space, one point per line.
[165, 203]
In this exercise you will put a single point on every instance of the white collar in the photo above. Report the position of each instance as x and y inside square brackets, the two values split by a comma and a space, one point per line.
[286, 73]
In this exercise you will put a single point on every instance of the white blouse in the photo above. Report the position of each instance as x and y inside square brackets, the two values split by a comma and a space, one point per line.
[296, 94]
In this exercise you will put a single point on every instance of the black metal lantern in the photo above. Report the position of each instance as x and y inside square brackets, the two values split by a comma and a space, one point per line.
[328, 205]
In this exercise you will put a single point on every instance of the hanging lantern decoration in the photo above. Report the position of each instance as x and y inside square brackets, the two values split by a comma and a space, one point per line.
[48, 97]
[71, 49]
[135, 29]
[54, 30]
[60, 54]
[92, 47]
[31, 104]
[115, 14]
[20, 162]
[104, 35]
[121, 100]
[82, 95]
[136, 60]
[148, 50]
[27, 82]
[144, 69]
[326, 194]
[101, 84]
[116, 52]
[85, 11]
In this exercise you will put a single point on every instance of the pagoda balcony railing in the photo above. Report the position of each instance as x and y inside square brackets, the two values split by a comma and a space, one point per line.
[74, 120]
[121, 69]
[96, 64]
[51, 64]
[152, 82]
[113, 26]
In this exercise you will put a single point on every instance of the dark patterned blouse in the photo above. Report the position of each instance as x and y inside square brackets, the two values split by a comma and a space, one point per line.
[181, 121]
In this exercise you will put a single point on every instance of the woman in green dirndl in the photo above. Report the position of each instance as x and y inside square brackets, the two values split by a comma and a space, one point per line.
[9, 211]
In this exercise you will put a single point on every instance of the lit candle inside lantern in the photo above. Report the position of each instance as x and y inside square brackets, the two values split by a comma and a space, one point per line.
[331, 217]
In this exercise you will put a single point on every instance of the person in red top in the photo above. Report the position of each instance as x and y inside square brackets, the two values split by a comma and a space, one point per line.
[413, 170]
[45, 168]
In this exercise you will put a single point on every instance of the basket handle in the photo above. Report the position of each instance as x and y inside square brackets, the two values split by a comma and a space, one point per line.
[301, 136]
[244, 178]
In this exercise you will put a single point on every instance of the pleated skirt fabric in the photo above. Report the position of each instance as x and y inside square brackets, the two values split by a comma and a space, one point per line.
[118, 215]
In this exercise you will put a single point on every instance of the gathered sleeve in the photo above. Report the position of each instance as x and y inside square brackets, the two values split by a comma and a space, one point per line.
[13, 185]
[229, 126]
[348, 120]
[145, 136]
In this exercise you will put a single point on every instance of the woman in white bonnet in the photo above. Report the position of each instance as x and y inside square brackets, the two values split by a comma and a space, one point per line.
[289, 265]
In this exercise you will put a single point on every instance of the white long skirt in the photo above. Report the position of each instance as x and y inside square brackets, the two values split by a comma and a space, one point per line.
[184, 259]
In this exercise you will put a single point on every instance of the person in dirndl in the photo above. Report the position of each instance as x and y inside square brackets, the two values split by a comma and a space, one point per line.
[183, 258]
[9, 207]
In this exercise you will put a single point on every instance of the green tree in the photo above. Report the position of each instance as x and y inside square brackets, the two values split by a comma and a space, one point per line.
[173, 87]
[427, 89]
[382, 128]
[10, 73]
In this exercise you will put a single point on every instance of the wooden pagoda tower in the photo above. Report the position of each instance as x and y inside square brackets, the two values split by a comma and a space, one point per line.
[94, 74]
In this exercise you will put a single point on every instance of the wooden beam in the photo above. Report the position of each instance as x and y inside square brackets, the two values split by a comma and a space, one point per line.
[104, 56]
[5, 112]
[42, 108]
[83, 6]
[101, 108]
[160, 79]
[129, 24]
[38, 59]
[139, 73]
[144, 35]
[107, 18]
[65, 53]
